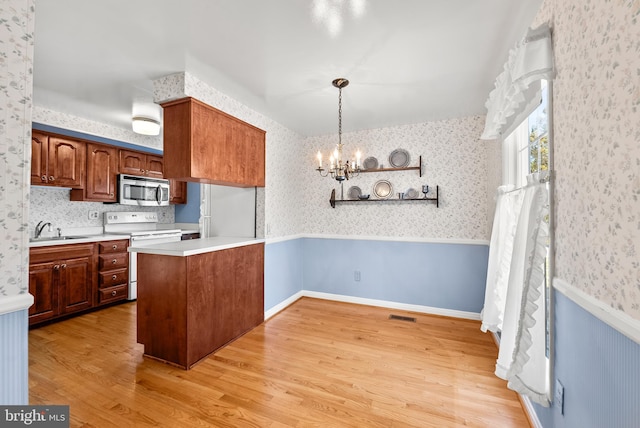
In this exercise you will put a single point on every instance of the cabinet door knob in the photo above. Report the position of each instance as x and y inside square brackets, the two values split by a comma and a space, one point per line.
[115, 247]
[43, 178]
[142, 171]
[111, 195]
[56, 267]
[114, 292]
[114, 261]
[114, 277]
[63, 265]
[51, 178]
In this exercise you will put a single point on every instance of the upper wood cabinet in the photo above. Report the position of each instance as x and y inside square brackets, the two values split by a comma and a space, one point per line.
[102, 175]
[57, 161]
[177, 192]
[138, 163]
[206, 145]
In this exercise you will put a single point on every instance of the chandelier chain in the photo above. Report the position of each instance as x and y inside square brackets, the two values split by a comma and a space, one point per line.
[339, 115]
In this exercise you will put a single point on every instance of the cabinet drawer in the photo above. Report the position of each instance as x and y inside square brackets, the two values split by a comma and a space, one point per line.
[113, 277]
[113, 246]
[113, 261]
[112, 294]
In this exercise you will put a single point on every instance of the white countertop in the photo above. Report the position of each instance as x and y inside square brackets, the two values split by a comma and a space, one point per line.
[46, 242]
[196, 246]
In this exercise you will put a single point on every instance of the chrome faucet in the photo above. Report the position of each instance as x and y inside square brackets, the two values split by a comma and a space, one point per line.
[40, 227]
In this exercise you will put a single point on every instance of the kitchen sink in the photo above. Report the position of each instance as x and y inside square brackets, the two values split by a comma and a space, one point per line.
[55, 238]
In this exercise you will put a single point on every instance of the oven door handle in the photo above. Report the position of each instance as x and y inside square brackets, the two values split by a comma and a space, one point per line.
[159, 194]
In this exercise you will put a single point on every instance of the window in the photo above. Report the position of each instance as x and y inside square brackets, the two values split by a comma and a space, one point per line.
[526, 149]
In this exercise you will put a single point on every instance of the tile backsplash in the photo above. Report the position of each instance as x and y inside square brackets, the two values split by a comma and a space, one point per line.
[53, 205]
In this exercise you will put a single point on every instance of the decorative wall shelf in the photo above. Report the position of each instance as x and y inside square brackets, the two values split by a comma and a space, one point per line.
[406, 168]
[333, 201]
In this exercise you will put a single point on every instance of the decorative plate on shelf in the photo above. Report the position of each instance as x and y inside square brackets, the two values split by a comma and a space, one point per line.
[382, 189]
[411, 193]
[399, 158]
[354, 192]
[370, 163]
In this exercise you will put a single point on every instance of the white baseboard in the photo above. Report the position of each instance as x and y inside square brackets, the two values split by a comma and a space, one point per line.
[282, 305]
[530, 411]
[372, 302]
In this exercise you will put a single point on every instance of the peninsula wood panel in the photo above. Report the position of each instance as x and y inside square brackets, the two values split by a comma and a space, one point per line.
[206, 145]
[190, 306]
[316, 363]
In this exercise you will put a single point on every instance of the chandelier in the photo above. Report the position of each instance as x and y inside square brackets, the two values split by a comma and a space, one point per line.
[337, 168]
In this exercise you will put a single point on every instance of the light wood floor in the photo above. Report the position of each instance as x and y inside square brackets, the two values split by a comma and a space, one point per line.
[317, 363]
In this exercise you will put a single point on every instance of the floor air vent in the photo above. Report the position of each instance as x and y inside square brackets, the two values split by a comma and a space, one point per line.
[401, 318]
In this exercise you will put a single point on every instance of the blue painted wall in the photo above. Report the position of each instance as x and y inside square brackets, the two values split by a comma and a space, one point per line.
[449, 276]
[599, 369]
[14, 348]
[282, 271]
[190, 212]
[97, 139]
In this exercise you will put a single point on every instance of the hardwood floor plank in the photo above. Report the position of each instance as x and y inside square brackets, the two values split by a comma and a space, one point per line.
[317, 363]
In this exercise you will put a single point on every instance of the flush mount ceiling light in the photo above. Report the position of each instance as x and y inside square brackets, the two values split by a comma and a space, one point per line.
[339, 170]
[145, 125]
[145, 117]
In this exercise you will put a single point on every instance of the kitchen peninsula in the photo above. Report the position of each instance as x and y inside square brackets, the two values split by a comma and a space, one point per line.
[196, 296]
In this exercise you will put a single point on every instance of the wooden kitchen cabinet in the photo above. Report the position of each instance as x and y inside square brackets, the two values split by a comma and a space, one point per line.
[113, 271]
[177, 192]
[61, 279]
[57, 161]
[139, 163]
[190, 306]
[101, 176]
[206, 145]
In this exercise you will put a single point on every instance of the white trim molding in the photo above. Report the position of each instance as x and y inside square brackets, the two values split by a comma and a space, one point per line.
[380, 238]
[393, 305]
[17, 302]
[616, 319]
[283, 305]
[371, 302]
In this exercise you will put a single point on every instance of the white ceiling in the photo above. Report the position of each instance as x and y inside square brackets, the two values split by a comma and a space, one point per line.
[408, 61]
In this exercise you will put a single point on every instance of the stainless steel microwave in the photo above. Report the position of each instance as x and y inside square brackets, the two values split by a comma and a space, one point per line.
[143, 191]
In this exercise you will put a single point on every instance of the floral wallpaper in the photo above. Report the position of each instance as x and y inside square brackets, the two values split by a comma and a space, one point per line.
[51, 204]
[452, 157]
[596, 115]
[277, 203]
[16, 90]
[79, 124]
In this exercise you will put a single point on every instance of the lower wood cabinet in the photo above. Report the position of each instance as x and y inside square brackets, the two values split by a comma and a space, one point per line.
[113, 271]
[72, 278]
[190, 306]
[62, 280]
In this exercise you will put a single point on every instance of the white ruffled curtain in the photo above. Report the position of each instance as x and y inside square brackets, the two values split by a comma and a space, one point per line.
[521, 359]
[530, 61]
[514, 297]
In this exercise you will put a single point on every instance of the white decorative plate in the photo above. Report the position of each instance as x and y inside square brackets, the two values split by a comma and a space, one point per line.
[382, 189]
[399, 158]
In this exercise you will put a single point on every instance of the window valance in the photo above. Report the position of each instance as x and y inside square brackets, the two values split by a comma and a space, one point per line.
[529, 61]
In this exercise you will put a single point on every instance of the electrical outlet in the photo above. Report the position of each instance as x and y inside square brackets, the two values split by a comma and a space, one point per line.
[559, 396]
[93, 215]
[356, 275]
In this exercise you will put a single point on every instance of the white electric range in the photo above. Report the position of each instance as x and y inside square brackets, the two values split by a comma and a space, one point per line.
[142, 230]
